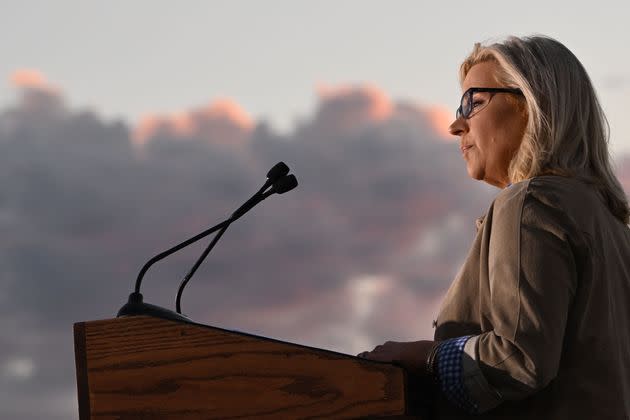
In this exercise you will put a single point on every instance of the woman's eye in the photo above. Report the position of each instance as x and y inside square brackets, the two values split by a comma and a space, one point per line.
[475, 104]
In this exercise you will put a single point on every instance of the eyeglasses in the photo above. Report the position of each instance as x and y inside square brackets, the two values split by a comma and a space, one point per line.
[475, 99]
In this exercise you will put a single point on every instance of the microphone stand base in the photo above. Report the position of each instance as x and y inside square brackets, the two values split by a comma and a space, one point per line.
[136, 307]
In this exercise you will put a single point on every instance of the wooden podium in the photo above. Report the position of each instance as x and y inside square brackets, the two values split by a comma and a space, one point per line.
[144, 367]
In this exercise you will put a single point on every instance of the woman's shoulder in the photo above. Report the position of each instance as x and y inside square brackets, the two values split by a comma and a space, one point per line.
[559, 204]
[555, 191]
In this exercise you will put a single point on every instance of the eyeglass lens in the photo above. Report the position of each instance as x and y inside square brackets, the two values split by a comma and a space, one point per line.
[472, 102]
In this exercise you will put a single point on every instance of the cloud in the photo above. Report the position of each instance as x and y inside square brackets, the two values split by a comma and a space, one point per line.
[346, 108]
[38, 98]
[357, 311]
[223, 121]
[19, 368]
[360, 253]
[441, 119]
[30, 79]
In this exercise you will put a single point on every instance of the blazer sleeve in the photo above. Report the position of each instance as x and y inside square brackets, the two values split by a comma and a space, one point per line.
[530, 284]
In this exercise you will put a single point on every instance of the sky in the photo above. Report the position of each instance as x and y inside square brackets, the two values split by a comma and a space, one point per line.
[127, 127]
[130, 59]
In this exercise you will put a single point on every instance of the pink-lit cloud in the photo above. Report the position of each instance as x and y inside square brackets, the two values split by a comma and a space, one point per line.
[375, 104]
[347, 107]
[440, 118]
[222, 121]
[31, 79]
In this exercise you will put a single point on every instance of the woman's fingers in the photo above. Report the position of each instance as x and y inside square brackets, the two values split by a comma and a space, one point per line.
[374, 353]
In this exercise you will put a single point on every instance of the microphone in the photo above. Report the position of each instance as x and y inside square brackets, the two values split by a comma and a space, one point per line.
[285, 184]
[279, 170]
[280, 183]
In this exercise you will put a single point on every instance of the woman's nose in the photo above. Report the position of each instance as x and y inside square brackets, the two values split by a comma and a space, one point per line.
[458, 127]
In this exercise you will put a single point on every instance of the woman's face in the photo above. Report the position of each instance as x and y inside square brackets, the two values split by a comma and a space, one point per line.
[492, 134]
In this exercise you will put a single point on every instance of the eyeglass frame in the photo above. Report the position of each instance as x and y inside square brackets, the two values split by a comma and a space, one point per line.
[471, 91]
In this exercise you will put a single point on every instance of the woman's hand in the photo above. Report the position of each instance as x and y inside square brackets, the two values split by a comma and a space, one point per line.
[411, 356]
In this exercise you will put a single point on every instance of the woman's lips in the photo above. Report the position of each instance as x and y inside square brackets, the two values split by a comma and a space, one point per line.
[465, 148]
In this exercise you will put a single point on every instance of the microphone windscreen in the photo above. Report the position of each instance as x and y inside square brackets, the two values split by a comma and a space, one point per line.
[278, 170]
[285, 184]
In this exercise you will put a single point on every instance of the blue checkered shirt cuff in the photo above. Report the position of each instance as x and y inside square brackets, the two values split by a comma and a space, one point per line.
[449, 372]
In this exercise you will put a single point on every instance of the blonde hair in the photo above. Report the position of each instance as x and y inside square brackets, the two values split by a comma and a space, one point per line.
[567, 131]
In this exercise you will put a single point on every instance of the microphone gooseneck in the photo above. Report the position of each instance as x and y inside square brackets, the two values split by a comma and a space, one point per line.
[195, 267]
[279, 182]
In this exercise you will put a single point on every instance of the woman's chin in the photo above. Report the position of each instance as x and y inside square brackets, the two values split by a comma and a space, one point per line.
[473, 172]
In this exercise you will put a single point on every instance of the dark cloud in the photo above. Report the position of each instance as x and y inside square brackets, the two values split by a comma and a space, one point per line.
[360, 253]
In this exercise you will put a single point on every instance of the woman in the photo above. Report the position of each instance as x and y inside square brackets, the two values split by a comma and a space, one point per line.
[536, 324]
